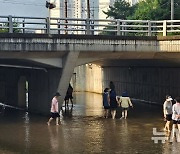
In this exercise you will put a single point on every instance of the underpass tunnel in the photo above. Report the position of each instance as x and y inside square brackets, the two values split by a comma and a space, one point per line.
[148, 80]
[27, 85]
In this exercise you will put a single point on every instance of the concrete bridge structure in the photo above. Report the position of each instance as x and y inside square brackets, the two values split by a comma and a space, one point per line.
[148, 67]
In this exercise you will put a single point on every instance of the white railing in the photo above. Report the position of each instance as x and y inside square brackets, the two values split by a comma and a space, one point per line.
[14, 24]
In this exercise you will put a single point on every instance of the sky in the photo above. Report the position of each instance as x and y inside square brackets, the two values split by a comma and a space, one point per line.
[29, 8]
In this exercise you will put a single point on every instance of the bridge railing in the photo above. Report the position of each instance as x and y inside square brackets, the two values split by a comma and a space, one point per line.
[15, 24]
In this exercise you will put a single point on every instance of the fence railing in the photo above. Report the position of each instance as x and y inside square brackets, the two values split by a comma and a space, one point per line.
[15, 24]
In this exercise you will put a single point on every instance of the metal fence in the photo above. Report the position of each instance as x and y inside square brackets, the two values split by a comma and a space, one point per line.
[15, 24]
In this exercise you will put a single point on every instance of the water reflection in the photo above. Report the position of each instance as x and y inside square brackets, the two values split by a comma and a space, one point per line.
[27, 132]
[54, 138]
[83, 130]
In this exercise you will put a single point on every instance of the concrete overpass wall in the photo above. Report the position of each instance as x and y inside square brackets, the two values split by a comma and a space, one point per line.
[145, 83]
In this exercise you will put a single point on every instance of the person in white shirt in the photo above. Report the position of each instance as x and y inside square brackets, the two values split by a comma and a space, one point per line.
[167, 110]
[54, 109]
[124, 102]
[176, 115]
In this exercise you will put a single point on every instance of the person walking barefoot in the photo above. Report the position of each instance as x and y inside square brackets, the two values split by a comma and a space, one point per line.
[113, 103]
[167, 110]
[125, 102]
[54, 109]
[176, 118]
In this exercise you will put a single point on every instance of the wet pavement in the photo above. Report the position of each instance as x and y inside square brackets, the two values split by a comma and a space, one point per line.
[84, 131]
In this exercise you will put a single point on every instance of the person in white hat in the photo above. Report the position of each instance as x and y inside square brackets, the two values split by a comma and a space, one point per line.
[167, 110]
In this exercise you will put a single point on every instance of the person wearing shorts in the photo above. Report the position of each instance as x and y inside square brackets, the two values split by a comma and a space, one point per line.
[167, 110]
[124, 102]
[54, 109]
[176, 116]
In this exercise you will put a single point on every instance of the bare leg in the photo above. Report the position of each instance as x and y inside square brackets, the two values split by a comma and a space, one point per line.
[178, 135]
[106, 112]
[57, 121]
[72, 102]
[173, 131]
[49, 121]
[113, 113]
[167, 126]
[125, 114]
[122, 114]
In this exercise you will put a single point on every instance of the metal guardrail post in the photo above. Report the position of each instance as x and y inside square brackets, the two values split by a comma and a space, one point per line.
[23, 25]
[48, 25]
[118, 28]
[87, 26]
[149, 28]
[10, 24]
[164, 28]
[123, 28]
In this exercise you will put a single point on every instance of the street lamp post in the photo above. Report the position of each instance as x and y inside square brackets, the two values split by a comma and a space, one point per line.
[88, 9]
[66, 15]
[172, 9]
[49, 6]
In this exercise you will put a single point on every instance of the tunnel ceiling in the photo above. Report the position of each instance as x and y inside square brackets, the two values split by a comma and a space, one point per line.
[21, 63]
[142, 59]
[138, 63]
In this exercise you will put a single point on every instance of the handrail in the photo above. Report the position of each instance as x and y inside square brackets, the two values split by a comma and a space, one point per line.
[20, 24]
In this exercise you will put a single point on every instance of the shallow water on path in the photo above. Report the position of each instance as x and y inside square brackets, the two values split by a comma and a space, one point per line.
[85, 131]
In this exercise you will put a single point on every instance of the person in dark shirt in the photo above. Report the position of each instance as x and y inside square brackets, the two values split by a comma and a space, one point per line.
[69, 96]
[106, 102]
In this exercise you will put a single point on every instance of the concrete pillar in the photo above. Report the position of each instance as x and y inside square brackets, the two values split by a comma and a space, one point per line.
[69, 63]
[22, 92]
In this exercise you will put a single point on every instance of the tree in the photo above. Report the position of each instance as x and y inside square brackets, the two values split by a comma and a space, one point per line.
[155, 10]
[6, 30]
[120, 10]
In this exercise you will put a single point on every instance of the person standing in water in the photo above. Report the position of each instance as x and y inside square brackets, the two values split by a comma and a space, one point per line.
[167, 110]
[69, 96]
[176, 117]
[106, 102]
[54, 109]
[124, 102]
[113, 103]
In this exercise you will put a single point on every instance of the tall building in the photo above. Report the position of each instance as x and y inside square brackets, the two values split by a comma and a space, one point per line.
[78, 9]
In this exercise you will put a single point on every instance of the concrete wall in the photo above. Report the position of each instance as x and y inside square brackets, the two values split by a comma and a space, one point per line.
[41, 87]
[145, 83]
[9, 86]
[87, 77]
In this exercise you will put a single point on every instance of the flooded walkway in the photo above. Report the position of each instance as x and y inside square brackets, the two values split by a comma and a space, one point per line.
[84, 131]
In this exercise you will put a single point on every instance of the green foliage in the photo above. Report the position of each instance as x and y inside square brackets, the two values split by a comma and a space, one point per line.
[6, 30]
[156, 10]
[144, 10]
[120, 10]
